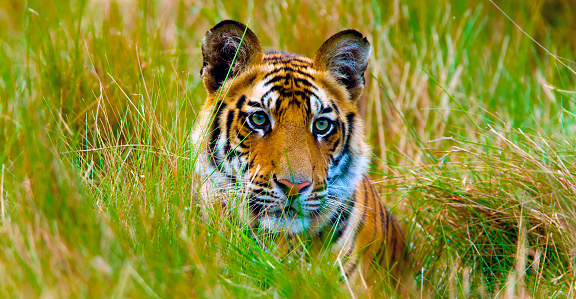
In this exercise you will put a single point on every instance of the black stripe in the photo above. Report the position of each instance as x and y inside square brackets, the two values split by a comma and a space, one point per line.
[301, 60]
[336, 108]
[284, 57]
[242, 116]
[229, 121]
[299, 82]
[326, 110]
[287, 69]
[251, 161]
[335, 218]
[319, 188]
[353, 267]
[306, 83]
[265, 184]
[345, 217]
[305, 94]
[387, 224]
[227, 147]
[393, 253]
[375, 209]
[265, 95]
[384, 232]
[335, 145]
[254, 104]
[243, 146]
[255, 207]
[216, 132]
[347, 131]
[386, 245]
[329, 133]
[234, 153]
[350, 118]
[214, 161]
[343, 159]
[260, 190]
[382, 215]
[241, 102]
[353, 246]
[343, 128]
[275, 79]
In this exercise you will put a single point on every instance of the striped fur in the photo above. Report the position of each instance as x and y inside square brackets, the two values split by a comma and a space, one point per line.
[294, 96]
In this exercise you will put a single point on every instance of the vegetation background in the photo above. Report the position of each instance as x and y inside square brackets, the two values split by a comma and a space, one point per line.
[470, 111]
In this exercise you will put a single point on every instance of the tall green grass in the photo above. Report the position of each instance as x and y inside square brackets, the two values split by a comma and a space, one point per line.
[471, 124]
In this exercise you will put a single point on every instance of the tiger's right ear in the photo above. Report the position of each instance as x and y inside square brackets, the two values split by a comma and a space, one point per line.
[345, 56]
[219, 46]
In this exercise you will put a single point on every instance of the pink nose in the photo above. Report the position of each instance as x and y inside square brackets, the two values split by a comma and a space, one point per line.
[291, 186]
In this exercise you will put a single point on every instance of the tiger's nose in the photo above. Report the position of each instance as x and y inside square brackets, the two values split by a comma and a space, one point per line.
[291, 188]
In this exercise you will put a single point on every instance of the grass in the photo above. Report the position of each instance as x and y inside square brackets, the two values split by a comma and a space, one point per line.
[471, 123]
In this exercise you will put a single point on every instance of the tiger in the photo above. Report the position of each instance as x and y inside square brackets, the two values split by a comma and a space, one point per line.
[287, 128]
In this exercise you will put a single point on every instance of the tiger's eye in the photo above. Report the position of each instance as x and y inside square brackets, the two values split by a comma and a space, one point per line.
[321, 125]
[258, 119]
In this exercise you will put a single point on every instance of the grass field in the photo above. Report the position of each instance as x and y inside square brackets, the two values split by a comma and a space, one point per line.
[471, 121]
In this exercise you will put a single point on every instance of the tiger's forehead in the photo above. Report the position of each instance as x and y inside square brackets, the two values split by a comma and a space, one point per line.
[287, 79]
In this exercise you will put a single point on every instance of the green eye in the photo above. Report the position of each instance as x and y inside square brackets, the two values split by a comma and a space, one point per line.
[321, 125]
[258, 119]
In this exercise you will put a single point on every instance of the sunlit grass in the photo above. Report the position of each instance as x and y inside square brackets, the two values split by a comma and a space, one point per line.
[471, 123]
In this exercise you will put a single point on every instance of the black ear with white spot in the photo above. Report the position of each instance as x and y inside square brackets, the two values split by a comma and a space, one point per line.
[219, 46]
[345, 56]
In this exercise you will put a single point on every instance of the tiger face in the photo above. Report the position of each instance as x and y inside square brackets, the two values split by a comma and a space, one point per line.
[282, 127]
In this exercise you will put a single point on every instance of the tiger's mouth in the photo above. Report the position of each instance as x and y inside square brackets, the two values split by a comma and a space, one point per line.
[287, 212]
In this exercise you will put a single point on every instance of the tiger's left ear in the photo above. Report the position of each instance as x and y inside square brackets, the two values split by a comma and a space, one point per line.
[228, 49]
[345, 56]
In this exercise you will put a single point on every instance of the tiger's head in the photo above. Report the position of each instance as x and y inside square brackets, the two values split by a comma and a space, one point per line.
[283, 127]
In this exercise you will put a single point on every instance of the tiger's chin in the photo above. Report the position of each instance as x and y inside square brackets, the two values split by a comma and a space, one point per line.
[289, 222]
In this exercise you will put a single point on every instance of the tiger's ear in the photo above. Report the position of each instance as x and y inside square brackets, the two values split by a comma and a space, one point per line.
[219, 46]
[345, 56]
